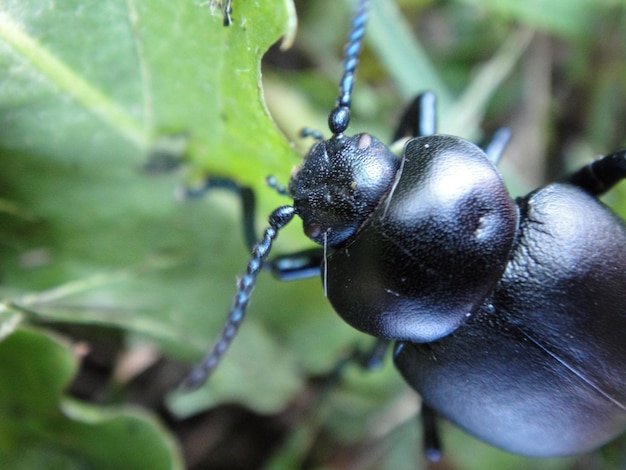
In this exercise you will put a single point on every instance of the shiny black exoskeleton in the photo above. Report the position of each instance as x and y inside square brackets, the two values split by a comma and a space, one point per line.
[509, 317]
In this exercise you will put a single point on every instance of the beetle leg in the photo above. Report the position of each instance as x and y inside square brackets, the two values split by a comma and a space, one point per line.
[228, 10]
[273, 183]
[497, 144]
[372, 359]
[301, 265]
[419, 119]
[432, 443]
[246, 196]
[308, 132]
[368, 359]
[602, 174]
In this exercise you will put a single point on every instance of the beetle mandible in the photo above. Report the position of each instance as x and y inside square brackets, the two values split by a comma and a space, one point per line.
[508, 316]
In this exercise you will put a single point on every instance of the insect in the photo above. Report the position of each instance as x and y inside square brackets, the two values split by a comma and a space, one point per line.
[226, 8]
[507, 316]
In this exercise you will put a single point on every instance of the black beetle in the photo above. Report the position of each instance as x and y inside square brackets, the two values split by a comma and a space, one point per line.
[508, 316]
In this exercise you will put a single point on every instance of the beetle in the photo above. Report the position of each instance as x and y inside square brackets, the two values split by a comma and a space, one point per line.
[226, 8]
[507, 316]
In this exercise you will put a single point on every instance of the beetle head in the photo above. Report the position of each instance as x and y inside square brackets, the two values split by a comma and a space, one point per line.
[339, 184]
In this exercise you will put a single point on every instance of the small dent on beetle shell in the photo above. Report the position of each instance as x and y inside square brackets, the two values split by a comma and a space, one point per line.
[480, 230]
[483, 229]
[312, 231]
[365, 140]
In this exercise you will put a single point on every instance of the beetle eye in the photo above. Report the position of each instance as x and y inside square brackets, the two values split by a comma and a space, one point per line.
[313, 231]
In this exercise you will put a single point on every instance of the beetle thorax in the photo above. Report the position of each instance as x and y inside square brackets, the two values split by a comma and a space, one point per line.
[339, 184]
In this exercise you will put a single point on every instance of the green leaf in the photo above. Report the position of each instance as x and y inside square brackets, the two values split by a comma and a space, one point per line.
[92, 94]
[43, 429]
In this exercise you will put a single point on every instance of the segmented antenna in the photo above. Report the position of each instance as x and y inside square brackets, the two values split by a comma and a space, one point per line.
[339, 117]
[338, 121]
[201, 371]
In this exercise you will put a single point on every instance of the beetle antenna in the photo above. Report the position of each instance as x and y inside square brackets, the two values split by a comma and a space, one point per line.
[339, 117]
[201, 371]
[325, 264]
